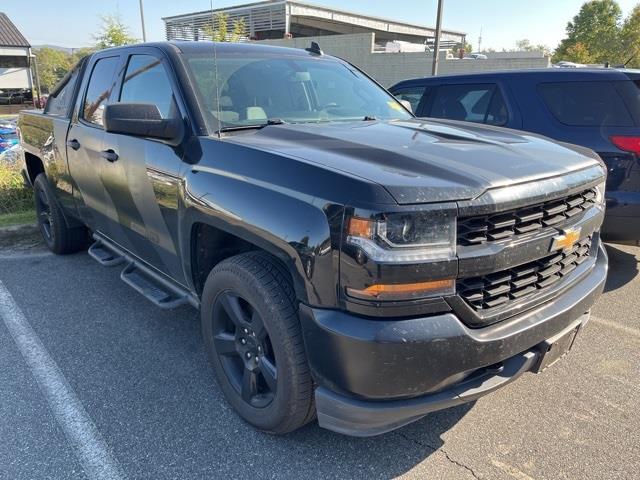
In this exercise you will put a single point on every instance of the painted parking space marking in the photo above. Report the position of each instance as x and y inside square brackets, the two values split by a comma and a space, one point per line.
[89, 447]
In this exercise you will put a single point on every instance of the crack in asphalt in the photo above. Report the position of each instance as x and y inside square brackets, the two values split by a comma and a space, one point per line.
[446, 454]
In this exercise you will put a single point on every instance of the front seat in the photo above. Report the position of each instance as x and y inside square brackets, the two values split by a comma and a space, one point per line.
[451, 109]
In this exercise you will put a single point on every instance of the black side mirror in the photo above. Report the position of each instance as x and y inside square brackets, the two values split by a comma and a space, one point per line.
[140, 120]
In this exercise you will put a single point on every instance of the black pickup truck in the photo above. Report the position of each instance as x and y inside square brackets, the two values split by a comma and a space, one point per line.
[350, 261]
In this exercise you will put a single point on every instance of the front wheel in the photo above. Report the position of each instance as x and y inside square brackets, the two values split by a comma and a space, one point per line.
[254, 342]
[58, 237]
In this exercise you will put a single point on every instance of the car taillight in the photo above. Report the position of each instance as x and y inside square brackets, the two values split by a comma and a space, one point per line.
[628, 144]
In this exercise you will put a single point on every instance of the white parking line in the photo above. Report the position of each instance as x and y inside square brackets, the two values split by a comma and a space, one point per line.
[634, 332]
[90, 448]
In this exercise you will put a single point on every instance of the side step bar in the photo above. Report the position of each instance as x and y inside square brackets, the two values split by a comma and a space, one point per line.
[104, 255]
[162, 292]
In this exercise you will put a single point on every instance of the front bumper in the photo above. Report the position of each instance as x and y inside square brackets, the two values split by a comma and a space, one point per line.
[376, 375]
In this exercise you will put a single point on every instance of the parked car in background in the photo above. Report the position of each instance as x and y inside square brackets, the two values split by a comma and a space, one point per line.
[11, 99]
[595, 108]
[8, 137]
[475, 56]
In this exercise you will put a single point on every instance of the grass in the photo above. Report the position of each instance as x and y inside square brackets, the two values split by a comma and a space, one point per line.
[16, 201]
[18, 218]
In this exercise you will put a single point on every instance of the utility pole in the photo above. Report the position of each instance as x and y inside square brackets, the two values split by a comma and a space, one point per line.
[35, 65]
[479, 41]
[144, 33]
[436, 53]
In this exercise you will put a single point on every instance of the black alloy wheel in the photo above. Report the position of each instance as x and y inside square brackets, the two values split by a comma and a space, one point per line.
[244, 349]
[59, 236]
[254, 342]
[43, 211]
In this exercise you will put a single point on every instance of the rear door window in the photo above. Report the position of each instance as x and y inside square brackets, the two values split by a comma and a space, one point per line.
[588, 104]
[471, 103]
[101, 84]
[630, 92]
[413, 95]
[60, 103]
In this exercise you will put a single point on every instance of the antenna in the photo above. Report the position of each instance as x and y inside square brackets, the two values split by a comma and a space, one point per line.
[315, 48]
[631, 57]
[215, 67]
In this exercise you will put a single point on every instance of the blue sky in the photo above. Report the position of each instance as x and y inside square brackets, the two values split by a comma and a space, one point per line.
[71, 23]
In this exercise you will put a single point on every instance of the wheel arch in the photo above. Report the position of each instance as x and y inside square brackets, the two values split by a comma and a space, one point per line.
[34, 166]
[211, 243]
[299, 236]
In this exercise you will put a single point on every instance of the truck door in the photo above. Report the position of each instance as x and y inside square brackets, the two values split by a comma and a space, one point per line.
[85, 144]
[143, 176]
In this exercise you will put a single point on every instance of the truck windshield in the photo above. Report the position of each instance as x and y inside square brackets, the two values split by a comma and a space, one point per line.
[246, 90]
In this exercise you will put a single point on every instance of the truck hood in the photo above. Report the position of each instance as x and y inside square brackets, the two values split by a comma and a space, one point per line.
[422, 161]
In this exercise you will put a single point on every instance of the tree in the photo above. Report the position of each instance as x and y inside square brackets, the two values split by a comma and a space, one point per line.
[113, 33]
[525, 45]
[597, 27]
[218, 29]
[52, 66]
[630, 44]
[468, 48]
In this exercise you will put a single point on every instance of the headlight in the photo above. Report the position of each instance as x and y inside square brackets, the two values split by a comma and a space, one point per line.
[411, 237]
[400, 256]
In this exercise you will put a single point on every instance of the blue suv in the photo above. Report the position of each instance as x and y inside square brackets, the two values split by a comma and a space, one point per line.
[595, 108]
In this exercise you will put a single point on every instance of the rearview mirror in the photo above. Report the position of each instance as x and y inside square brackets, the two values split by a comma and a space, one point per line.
[140, 120]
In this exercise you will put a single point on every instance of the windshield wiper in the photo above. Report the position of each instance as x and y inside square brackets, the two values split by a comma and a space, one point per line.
[369, 118]
[257, 126]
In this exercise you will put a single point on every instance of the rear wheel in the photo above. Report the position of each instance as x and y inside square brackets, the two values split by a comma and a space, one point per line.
[254, 342]
[58, 237]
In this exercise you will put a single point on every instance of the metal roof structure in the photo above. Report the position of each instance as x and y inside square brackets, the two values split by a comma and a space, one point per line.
[274, 19]
[10, 36]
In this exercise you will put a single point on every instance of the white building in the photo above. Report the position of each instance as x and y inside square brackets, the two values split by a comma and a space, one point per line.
[386, 49]
[276, 19]
[15, 57]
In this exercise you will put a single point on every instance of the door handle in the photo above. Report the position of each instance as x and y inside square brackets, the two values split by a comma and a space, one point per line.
[109, 155]
[75, 144]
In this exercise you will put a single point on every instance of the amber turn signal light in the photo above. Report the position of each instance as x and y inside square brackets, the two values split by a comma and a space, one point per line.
[405, 291]
[360, 227]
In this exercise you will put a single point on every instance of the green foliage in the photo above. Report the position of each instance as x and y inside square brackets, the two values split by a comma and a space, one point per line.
[218, 29]
[630, 34]
[14, 197]
[468, 48]
[596, 34]
[113, 33]
[525, 45]
[18, 218]
[52, 66]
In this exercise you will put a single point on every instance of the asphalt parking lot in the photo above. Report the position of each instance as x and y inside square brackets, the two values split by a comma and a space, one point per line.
[140, 400]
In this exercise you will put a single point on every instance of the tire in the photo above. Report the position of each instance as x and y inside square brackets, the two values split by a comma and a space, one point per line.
[58, 237]
[253, 291]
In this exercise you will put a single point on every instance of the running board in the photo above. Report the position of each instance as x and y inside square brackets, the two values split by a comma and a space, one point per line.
[105, 256]
[163, 292]
[154, 288]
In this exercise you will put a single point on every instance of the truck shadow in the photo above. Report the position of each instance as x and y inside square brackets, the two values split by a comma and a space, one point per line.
[623, 266]
[384, 456]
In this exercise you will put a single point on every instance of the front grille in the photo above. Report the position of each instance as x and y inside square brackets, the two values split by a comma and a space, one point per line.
[504, 225]
[499, 288]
